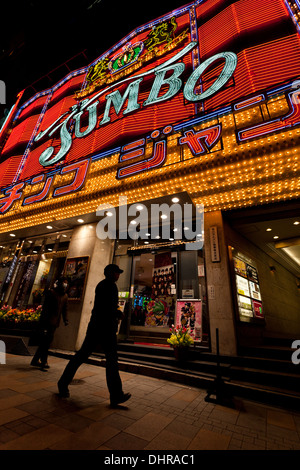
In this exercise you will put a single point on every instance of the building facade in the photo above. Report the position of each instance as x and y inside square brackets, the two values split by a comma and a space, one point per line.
[201, 105]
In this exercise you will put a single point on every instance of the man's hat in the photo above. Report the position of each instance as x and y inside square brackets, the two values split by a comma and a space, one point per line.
[112, 268]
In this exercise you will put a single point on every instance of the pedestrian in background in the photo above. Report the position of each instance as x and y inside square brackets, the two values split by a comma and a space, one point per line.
[54, 307]
[101, 331]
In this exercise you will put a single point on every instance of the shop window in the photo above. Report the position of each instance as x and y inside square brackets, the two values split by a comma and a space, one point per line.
[154, 289]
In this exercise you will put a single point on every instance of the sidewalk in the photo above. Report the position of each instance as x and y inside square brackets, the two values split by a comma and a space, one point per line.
[161, 415]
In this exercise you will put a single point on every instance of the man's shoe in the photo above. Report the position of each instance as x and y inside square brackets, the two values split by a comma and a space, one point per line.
[121, 399]
[63, 391]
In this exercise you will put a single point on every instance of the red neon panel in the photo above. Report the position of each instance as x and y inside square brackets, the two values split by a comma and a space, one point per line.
[21, 134]
[8, 169]
[280, 60]
[239, 18]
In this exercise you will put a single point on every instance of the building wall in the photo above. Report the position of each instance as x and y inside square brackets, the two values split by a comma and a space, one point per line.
[84, 242]
[280, 294]
[221, 312]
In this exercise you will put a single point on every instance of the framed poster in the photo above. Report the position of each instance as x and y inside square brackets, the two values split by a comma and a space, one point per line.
[75, 271]
[249, 300]
[189, 315]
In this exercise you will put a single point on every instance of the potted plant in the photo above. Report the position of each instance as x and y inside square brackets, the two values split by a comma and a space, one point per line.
[181, 340]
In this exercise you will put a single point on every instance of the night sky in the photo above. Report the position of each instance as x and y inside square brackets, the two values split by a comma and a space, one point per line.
[37, 37]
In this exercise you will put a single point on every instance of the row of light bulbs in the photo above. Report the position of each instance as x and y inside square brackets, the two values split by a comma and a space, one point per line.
[251, 175]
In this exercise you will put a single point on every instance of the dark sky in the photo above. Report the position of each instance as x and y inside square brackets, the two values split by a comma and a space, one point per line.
[37, 36]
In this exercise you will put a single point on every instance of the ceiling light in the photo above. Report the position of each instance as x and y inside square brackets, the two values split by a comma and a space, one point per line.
[109, 214]
[276, 236]
[146, 243]
[147, 234]
[268, 230]
[164, 216]
[297, 222]
[157, 236]
[133, 222]
[175, 229]
[49, 227]
[175, 199]
[139, 207]
[64, 235]
[12, 235]
[80, 221]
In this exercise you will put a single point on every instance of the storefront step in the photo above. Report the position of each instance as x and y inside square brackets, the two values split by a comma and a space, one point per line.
[286, 381]
[184, 373]
[271, 352]
[18, 345]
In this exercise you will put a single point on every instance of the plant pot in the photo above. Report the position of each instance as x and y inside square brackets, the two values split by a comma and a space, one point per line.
[181, 354]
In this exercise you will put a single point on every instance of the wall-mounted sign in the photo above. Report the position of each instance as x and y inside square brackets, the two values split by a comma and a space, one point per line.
[214, 245]
[174, 76]
[247, 288]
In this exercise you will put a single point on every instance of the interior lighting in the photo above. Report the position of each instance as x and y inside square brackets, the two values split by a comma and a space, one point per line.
[164, 216]
[49, 227]
[175, 199]
[80, 221]
[12, 235]
[139, 207]
[276, 236]
[296, 222]
[268, 230]
[109, 214]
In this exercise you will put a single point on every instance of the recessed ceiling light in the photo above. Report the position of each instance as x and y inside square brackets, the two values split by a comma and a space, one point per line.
[109, 214]
[268, 230]
[175, 199]
[64, 235]
[164, 216]
[80, 221]
[276, 236]
[12, 234]
[139, 207]
[296, 222]
[49, 227]
[133, 222]
[146, 243]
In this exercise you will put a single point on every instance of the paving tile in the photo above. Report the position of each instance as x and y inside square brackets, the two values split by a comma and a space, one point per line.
[11, 414]
[29, 387]
[186, 395]
[168, 440]
[125, 441]
[74, 422]
[96, 412]
[148, 426]
[209, 440]
[281, 419]
[14, 400]
[37, 440]
[98, 433]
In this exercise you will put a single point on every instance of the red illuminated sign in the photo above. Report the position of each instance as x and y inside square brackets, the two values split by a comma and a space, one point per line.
[203, 59]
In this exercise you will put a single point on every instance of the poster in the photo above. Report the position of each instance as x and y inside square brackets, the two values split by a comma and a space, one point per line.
[254, 291]
[247, 287]
[242, 286]
[257, 308]
[76, 272]
[240, 267]
[189, 315]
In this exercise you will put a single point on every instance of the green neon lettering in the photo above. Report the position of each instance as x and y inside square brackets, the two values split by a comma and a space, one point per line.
[115, 98]
[228, 69]
[174, 83]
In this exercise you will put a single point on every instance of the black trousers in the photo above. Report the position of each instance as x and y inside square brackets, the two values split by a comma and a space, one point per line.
[46, 339]
[109, 347]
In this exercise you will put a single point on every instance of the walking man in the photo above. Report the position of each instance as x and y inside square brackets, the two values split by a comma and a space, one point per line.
[101, 332]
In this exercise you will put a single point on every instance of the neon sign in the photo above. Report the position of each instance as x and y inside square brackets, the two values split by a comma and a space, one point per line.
[115, 99]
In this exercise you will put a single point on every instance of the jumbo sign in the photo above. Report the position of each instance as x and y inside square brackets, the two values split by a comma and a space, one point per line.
[131, 94]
